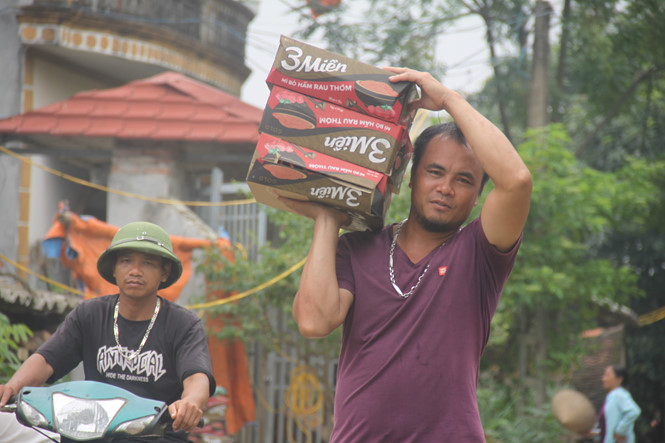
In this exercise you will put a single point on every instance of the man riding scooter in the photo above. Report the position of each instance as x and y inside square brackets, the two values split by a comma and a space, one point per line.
[134, 339]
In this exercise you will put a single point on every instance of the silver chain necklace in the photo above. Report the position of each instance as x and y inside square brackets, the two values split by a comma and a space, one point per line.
[392, 269]
[126, 354]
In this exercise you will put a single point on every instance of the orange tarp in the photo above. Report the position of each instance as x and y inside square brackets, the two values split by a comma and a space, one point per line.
[87, 238]
[241, 397]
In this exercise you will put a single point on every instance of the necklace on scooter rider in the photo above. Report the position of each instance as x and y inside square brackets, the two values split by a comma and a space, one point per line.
[124, 353]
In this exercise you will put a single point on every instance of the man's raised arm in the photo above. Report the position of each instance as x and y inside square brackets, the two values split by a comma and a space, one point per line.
[506, 208]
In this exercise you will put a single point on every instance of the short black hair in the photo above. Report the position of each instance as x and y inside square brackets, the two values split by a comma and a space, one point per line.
[443, 130]
[622, 373]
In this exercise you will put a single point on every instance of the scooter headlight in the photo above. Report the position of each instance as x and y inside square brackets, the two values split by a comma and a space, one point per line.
[32, 415]
[133, 427]
[83, 419]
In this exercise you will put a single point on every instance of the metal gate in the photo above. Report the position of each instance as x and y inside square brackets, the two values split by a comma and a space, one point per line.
[275, 423]
[244, 224]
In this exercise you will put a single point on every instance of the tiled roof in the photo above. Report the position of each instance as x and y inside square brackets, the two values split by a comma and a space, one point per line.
[168, 106]
[22, 299]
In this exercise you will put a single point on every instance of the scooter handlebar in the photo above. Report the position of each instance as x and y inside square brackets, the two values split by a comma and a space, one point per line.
[10, 406]
[166, 418]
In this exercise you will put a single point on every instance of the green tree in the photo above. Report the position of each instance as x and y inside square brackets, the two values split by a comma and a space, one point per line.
[10, 337]
[595, 231]
[611, 92]
[265, 317]
[574, 209]
[607, 87]
[404, 33]
[613, 83]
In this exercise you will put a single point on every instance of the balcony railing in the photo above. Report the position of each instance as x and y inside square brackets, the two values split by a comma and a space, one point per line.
[221, 24]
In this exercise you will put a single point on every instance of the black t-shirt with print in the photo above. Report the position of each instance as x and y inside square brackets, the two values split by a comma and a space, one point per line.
[175, 349]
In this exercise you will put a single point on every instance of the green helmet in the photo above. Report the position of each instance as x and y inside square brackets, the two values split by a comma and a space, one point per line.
[143, 237]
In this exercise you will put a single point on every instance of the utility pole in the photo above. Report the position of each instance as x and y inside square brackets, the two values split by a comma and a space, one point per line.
[539, 92]
[534, 333]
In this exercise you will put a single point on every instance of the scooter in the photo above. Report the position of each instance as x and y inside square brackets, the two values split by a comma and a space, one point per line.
[87, 410]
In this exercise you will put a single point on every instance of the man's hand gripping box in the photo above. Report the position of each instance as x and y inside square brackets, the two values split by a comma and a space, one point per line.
[341, 80]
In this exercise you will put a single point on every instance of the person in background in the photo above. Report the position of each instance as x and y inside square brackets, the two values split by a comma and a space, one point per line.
[619, 412]
[134, 339]
[416, 298]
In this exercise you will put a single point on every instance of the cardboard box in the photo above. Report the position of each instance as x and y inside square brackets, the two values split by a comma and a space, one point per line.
[336, 131]
[341, 80]
[280, 168]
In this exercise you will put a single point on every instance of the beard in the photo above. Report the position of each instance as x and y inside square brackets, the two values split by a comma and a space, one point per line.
[433, 225]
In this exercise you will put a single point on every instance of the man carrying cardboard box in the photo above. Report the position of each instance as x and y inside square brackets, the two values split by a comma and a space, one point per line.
[416, 299]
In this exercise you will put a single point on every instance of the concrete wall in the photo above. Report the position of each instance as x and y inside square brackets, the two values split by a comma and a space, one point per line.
[53, 82]
[10, 69]
[10, 104]
[56, 81]
[154, 172]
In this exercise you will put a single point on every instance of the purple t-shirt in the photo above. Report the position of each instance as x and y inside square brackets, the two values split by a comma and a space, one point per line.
[408, 368]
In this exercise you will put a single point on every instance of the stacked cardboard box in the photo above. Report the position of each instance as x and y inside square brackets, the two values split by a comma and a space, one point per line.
[335, 131]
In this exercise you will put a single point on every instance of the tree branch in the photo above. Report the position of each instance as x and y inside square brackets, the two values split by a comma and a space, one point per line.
[645, 75]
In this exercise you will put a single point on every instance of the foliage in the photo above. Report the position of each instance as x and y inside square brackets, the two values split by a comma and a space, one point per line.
[595, 229]
[574, 210]
[404, 32]
[266, 316]
[396, 33]
[615, 81]
[615, 46]
[505, 420]
[647, 360]
[253, 318]
[645, 250]
[10, 337]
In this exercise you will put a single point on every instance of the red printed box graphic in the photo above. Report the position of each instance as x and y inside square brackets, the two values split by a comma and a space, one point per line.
[341, 80]
[335, 131]
[280, 168]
